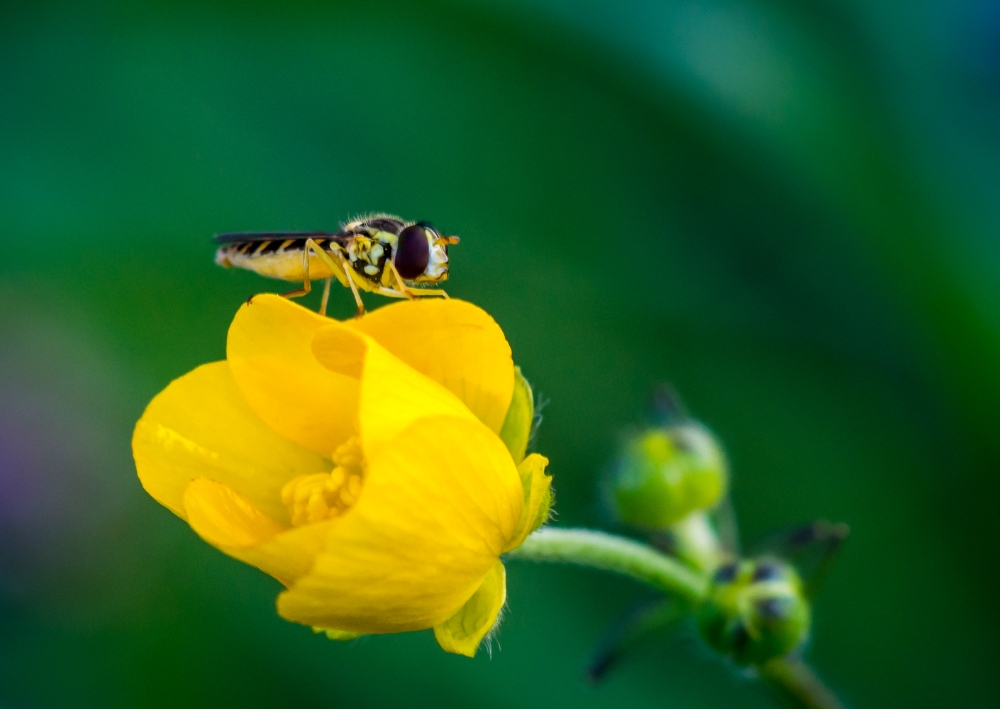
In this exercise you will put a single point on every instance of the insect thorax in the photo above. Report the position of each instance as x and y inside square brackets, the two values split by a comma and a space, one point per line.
[370, 244]
[368, 251]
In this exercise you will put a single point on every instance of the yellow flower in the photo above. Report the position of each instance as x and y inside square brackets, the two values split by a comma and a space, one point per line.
[375, 467]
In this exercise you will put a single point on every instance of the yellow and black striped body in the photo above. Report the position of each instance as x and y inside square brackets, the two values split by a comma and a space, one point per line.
[280, 256]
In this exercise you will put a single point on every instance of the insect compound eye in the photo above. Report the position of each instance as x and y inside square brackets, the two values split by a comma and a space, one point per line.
[412, 252]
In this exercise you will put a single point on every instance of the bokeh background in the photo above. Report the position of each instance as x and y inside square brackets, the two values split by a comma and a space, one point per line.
[789, 210]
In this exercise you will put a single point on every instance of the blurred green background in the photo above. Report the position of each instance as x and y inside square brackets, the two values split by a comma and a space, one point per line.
[789, 210]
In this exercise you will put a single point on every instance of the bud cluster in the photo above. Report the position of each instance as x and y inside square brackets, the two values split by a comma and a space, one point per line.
[755, 611]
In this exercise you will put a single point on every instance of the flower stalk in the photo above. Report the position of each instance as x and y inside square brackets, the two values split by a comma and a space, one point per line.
[597, 550]
[795, 682]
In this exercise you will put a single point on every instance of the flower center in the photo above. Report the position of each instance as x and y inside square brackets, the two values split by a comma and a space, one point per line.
[321, 496]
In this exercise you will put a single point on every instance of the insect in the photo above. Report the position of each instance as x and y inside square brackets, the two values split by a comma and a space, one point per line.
[379, 253]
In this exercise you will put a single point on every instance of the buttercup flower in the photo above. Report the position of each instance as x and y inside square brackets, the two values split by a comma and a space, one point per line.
[376, 467]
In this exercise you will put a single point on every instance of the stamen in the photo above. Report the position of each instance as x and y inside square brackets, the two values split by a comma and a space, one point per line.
[322, 496]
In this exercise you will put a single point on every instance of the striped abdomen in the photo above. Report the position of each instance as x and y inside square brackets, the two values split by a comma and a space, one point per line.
[279, 255]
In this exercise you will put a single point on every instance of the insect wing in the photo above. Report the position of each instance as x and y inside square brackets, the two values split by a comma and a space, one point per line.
[238, 236]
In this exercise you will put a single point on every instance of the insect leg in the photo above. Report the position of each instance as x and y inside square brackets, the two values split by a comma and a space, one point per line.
[326, 296]
[391, 292]
[430, 291]
[399, 282]
[333, 265]
[411, 294]
[306, 285]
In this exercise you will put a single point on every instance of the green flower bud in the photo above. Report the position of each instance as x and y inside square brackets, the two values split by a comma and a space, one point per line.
[755, 611]
[665, 473]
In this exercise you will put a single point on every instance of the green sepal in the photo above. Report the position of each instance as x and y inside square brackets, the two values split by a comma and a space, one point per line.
[516, 429]
[462, 633]
[537, 498]
[533, 482]
[338, 635]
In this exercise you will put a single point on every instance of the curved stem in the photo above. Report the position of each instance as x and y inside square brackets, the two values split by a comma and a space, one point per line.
[794, 680]
[607, 552]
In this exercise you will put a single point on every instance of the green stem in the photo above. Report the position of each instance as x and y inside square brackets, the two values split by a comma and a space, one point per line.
[790, 678]
[607, 552]
[794, 681]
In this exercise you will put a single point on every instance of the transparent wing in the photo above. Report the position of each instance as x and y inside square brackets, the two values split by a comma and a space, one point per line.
[235, 236]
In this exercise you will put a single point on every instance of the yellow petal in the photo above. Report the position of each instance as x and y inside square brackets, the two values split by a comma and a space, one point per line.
[537, 498]
[439, 504]
[516, 430]
[454, 343]
[393, 394]
[201, 427]
[233, 524]
[223, 517]
[462, 633]
[270, 352]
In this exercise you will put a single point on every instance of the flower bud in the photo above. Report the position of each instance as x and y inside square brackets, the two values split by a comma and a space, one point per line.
[755, 611]
[667, 472]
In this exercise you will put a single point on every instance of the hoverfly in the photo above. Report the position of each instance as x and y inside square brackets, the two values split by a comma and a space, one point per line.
[379, 253]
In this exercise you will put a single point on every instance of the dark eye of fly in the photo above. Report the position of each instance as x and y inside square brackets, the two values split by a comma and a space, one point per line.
[412, 252]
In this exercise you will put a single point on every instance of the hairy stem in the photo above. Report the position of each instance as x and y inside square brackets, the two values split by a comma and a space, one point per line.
[607, 552]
